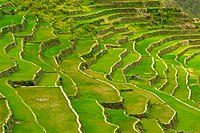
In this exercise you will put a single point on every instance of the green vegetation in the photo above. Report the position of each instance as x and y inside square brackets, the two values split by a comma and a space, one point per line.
[98, 66]
[41, 100]
[191, 6]
[151, 126]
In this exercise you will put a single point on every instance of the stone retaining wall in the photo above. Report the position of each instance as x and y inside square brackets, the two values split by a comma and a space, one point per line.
[65, 52]
[130, 19]
[122, 29]
[167, 39]
[171, 125]
[106, 30]
[173, 47]
[13, 28]
[11, 45]
[104, 12]
[115, 105]
[94, 48]
[191, 57]
[107, 35]
[39, 74]
[49, 43]
[8, 126]
[118, 4]
[32, 35]
[151, 34]
[132, 65]
[127, 33]
[123, 40]
[85, 65]
[9, 70]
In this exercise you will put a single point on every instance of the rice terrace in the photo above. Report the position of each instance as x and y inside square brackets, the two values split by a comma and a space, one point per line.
[99, 66]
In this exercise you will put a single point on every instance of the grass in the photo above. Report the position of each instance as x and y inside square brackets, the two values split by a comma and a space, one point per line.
[160, 69]
[87, 88]
[118, 76]
[171, 76]
[135, 103]
[68, 86]
[91, 118]
[104, 63]
[124, 122]
[161, 112]
[95, 89]
[151, 126]
[31, 54]
[3, 112]
[28, 29]
[64, 40]
[131, 57]
[51, 108]
[185, 113]
[7, 20]
[84, 46]
[194, 63]
[19, 110]
[144, 69]
[195, 93]
[43, 34]
[182, 92]
[5, 61]
[142, 45]
[186, 54]
[27, 69]
[153, 98]
[159, 65]
[49, 79]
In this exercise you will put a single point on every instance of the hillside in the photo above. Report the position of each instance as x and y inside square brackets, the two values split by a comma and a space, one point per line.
[190, 6]
[123, 66]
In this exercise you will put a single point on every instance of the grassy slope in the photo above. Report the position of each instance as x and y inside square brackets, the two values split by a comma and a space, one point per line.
[51, 108]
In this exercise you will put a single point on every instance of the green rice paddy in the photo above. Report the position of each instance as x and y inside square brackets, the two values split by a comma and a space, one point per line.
[106, 66]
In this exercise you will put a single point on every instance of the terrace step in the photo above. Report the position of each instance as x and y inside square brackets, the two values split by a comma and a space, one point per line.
[103, 61]
[119, 4]
[151, 126]
[49, 79]
[132, 45]
[46, 98]
[13, 23]
[5, 114]
[136, 105]
[164, 114]
[8, 65]
[117, 116]
[24, 119]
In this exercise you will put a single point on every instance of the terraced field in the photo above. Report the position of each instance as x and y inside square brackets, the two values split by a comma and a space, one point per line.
[136, 71]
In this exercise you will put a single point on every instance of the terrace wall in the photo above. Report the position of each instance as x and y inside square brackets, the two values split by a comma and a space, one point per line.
[13, 28]
[8, 126]
[9, 70]
[85, 65]
[65, 52]
[36, 78]
[143, 114]
[171, 124]
[115, 105]
[94, 48]
[49, 43]
[117, 65]
[123, 40]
